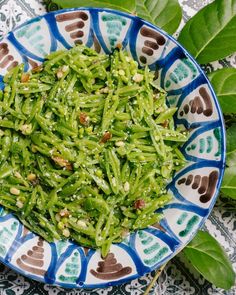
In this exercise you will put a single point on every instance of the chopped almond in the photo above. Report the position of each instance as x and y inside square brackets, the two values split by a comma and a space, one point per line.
[62, 162]
[84, 119]
[60, 74]
[66, 232]
[165, 124]
[31, 177]
[106, 136]
[37, 69]
[64, 213]
[139, 204]
[14, 191]
[25, 78]
[124, 233]
[138, 78]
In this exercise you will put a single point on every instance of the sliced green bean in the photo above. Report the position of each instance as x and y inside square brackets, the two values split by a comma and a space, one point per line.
[87, 146]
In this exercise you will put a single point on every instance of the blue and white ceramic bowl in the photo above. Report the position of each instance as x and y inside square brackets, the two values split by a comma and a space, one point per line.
[194, 188]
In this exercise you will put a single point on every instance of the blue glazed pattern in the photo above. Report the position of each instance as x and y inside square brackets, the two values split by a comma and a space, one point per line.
[194, 188]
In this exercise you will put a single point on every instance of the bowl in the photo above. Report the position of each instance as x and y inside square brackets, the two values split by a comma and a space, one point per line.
[194, 188]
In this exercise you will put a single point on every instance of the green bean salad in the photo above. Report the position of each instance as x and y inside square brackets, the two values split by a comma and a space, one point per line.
[87, 147]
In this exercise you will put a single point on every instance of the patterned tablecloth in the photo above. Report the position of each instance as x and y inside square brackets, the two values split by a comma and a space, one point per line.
[178, 277]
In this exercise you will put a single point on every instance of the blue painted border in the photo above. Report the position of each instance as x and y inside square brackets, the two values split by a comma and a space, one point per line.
[204, 128]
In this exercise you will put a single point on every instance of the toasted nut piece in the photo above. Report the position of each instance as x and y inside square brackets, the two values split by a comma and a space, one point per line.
[84, 119]
[25, 78]
[62, 162]
[81, 223]
[138, 78]
[14, 191]
[139, 204]
[19, 204]
[120, 143]
[37, 69]
[106, 136]
[64, 212]
[31, 177]
[66, 232]
[59, 74]
[26, 129]
[165, 124]
[104, 90]
[65, 68]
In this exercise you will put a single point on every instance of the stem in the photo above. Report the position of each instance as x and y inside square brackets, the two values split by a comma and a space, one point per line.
[150, 286]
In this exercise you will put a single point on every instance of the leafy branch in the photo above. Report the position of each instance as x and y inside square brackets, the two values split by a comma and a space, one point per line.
[165, 14]
[209, 258]
[210, 34]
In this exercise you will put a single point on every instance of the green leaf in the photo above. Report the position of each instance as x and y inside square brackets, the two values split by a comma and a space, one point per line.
[228, 186]
[207, 256]
[127, 6]
[210, 34]
[231, 145]
[166, 14]
[224, 84]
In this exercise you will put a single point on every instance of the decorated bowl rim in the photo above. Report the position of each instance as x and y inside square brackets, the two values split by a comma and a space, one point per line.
[223, 147]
